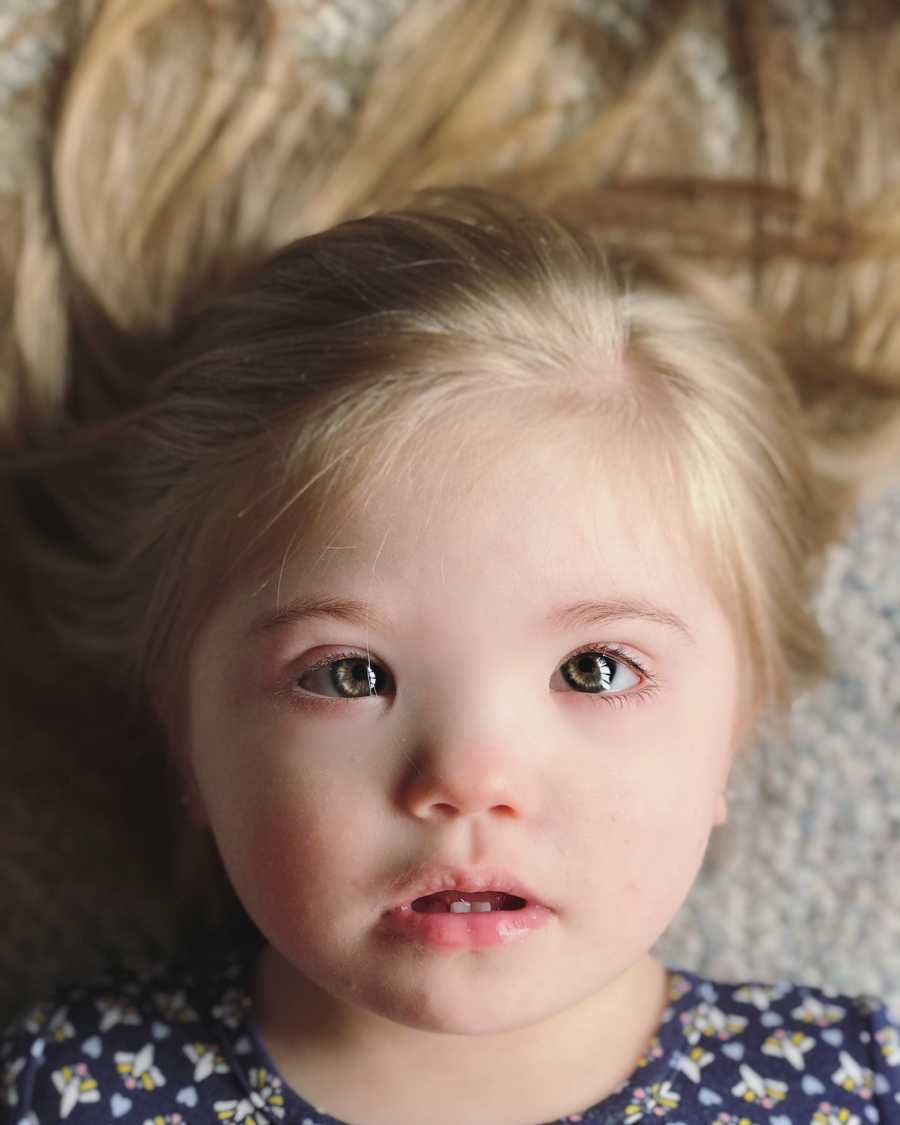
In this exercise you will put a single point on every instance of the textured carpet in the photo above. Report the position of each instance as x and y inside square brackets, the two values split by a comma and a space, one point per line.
[804, 880]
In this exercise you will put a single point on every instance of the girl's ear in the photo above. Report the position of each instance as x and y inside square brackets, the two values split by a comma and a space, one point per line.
[173, 728]
[191, 799]
[721, 813]
[193, 804]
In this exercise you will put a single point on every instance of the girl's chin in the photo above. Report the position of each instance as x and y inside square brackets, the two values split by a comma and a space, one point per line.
[441, 999]
[438, 1015]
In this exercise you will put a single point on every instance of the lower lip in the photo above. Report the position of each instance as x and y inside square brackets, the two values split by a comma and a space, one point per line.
[475, 930]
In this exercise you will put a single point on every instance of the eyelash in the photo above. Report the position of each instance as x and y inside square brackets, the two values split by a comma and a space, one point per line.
[637, 695]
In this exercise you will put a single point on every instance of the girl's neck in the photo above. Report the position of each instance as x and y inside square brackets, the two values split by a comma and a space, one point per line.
[358, 1067]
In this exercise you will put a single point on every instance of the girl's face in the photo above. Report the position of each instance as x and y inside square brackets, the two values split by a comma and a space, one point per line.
[499, 738]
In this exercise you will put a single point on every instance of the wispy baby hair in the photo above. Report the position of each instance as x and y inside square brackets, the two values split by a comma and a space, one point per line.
[279, 402]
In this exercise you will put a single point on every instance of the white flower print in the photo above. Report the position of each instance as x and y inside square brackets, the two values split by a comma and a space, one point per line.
[888, 1040]
[266, 1093]
[11, 1072]
[707, 1019]
[854, 1078]
[116, 1010]
[137, 1069]
[692, 1063]
[814, 1011]
[230, 1010]
[74, 1084]
[651, 1101]
[789, 1045]
[240, 1110]
[761, 996]
[754, 1088]
[828, 1114]
[37, 1017]
[207, 1059]
[174, 1008]
[678, 986]
[58, 1028]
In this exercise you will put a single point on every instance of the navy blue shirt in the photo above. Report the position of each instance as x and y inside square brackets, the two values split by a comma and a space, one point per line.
[176, 1042]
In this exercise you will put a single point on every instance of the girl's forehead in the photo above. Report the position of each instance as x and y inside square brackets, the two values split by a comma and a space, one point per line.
[529, 500]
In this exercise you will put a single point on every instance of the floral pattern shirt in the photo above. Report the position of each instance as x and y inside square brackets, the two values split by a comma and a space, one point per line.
[176, 1042]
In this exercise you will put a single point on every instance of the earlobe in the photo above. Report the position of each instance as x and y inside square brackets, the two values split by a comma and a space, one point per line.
[191, 800]
[196, 812]
[721, 814]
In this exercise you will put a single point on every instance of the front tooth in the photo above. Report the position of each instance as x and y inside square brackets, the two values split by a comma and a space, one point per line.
[460, 907]
[481, 907]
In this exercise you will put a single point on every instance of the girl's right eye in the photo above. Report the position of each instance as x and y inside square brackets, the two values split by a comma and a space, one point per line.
[353, 675]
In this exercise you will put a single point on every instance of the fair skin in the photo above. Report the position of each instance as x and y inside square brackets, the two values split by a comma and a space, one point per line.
[479, 753]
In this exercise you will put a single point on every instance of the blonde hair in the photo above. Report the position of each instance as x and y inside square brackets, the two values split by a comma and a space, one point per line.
[189, 350]
[351, 339]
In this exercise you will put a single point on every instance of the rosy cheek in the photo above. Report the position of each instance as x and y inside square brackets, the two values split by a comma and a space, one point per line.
[273, 870]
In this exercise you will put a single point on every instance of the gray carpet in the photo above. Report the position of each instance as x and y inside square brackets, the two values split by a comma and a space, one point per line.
[804, 880]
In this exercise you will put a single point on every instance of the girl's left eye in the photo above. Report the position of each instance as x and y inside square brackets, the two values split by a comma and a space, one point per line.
[594, 671]
[597, 669]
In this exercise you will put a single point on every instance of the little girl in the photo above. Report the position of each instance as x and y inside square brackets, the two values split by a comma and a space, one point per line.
[455, 557]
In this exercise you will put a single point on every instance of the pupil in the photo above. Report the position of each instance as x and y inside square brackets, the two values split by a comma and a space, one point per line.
[592, 672]
[360, 673]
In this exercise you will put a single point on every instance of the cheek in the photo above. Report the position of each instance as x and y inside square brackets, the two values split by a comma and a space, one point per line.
[293, 859]
[645, 820]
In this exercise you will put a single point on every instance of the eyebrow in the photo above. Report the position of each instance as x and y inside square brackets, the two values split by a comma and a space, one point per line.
[359, 613]
[618, 609]
[307, 608]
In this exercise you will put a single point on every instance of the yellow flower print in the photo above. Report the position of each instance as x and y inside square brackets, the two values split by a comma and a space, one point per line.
[207, 1059]
[115, 1010]
[726, 1118]
[678, 986]
[854, 1078]
[75, 1085]
[814, 1011]
[651, 1101]
[10, 1073]
[652, 1051]
[137, 1069]
[59, 1029]
[707, 1019]
[266, 1092]
[755, 1088]
[888, 1040]
[240, 1110]
[789, 1045]
[36, 1017]
[174, 1007]
[828, 1114]
[265, 1098]
[761, 996]
[692, 1063]
[232, 1007]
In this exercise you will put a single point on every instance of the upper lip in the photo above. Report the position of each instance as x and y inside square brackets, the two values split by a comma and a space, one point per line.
[428, 880]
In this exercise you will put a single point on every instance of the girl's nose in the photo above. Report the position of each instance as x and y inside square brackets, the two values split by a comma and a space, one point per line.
[468, 780]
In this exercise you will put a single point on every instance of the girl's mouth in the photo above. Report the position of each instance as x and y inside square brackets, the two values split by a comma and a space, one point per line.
[467, 902]
[455, 920]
